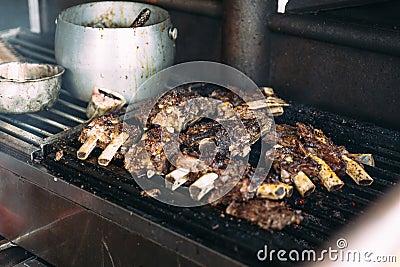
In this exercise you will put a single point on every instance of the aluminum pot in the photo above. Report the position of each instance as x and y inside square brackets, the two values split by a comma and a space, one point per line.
[112, 55]
[28, 87]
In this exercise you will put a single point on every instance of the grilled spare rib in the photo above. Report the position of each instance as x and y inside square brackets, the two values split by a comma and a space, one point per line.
[224, 133]
[184, 105]
[303, 151]
[167, 101]
[108, 133]
[211, 152]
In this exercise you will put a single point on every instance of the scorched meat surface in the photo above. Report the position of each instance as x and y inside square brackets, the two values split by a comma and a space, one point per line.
[108, 133]
[211, 152]
[303, 151]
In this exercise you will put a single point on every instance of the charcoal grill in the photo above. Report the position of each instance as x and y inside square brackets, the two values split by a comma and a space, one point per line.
[84, 209]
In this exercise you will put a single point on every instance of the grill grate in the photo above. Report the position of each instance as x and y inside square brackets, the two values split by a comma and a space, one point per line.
[30, 131]
[325, 213]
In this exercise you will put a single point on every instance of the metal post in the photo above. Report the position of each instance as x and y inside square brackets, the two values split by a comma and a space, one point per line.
[34, 15]
[246, 40]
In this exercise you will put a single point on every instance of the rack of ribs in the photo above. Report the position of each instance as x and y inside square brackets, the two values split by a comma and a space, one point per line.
[303, 151]
[209, 156]
[108, 133]
[207, 147]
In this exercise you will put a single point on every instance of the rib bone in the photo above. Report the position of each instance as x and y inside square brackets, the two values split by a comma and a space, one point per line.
[366, 159]
[356, 172]
[276, 111]
[104, 100]
[267, 91]
[326, 175]
[109, 152]
[87, 147]
[288, 189]
[266, 103]
[273, 191]
[178, 178]
[303, 184]
[202, 186]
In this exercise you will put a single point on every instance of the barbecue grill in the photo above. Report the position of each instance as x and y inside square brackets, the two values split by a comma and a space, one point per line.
[64, 210]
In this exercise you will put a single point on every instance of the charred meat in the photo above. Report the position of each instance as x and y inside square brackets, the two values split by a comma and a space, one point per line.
[108, 133]
[211, 142]
[164, 104]
[268, 214]
[303, 151]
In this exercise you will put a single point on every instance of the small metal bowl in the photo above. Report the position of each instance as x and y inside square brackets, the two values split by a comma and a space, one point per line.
[28, 87]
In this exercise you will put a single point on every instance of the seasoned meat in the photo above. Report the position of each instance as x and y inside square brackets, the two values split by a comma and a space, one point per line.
[108, 133]
[316, 142]
[303, 151]
[269, 215]
[231, 139]
[154, 144]
[165, 104]
[290, 155]
[296, 142]
[137, 160]
[147, 156]
[227, 96]
[105, 128]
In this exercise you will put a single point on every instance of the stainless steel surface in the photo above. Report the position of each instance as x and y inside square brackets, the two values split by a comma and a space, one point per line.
[351, 69]
[7, 54]
[116, 58]
[6, 245]
[246, 39]
[31, 262]
[28, 87]
[25, 133]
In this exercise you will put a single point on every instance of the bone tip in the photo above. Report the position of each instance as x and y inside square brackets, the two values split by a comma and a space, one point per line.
[82, 155]
[103, 162]
[308, 192]
[174, 187]
[288, 190]
[194, 193]
[366, 182]
[335, 187]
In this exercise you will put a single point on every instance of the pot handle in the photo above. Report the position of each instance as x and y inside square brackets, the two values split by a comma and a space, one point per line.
[173, 33]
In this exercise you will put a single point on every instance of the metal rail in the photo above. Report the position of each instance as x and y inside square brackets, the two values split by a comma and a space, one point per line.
[246, 41]
[26, 131]
[327, 30]
[212, 8]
